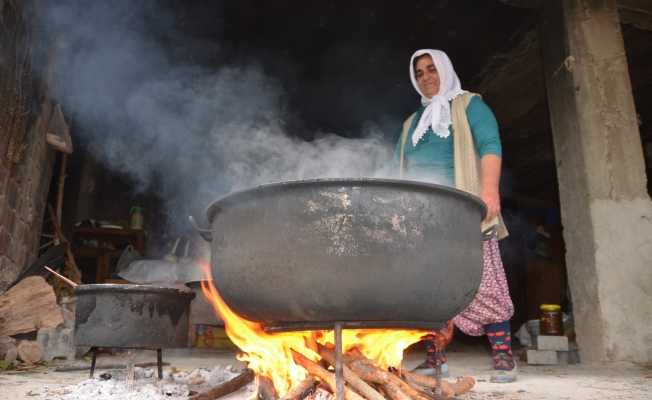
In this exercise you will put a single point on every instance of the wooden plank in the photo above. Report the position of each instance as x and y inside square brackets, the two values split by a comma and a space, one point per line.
[226, 388]
[28, 306]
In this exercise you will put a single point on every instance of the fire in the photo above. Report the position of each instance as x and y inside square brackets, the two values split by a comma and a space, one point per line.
[269, 354]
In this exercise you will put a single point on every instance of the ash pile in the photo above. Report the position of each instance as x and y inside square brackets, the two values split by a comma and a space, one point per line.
[112, 384]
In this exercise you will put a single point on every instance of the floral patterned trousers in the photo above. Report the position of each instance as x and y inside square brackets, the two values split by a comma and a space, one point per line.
[492, 303]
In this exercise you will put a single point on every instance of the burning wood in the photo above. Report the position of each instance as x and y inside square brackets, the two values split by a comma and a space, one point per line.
[302, 390]
[359, 370]
[325, 376]
[366, 390]
[269, 356]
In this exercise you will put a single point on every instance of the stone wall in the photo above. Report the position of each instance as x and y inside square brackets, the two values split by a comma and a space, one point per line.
[23, 193]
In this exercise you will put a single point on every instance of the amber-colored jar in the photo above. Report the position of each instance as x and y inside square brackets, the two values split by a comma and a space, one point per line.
[552, 323]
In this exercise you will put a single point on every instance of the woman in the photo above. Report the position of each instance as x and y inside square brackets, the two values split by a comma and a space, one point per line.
[453, 140]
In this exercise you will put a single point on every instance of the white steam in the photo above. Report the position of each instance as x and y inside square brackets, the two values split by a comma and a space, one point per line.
[198, 132]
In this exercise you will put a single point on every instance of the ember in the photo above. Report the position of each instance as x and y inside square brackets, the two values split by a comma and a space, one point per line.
[114, 383]
[291, 360]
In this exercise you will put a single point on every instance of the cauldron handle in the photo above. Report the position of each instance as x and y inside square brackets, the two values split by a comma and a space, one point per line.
[487, 234]
[204, 233]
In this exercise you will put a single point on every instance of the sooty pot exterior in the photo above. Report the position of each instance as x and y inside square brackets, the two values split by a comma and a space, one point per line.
[366, 252]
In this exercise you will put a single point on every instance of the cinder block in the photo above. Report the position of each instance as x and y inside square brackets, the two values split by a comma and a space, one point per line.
[542, 357]
[562, 358]
[555, 343]
[56, 344]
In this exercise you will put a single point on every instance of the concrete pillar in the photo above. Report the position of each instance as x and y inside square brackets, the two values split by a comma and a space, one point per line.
[606, 211]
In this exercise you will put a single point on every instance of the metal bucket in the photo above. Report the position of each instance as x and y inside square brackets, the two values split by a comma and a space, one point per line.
[202, 311]
[369, 253]
[131, 316]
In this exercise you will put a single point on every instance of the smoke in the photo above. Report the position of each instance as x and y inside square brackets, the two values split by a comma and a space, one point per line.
[193, 131]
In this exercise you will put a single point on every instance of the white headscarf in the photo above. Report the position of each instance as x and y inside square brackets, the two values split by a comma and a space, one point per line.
[438, 110]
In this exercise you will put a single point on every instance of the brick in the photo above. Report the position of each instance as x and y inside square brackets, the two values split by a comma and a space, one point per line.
[542, 357]
[24, 209]
[28, 191]
[19, 229]
[5, 242]
[4, 216]
[11, 221]
[12, 195]
[555, 343]
[16, 172]
[22, 252]
[14, 250]
[4, 179]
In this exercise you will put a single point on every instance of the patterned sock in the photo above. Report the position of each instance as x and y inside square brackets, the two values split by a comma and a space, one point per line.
[501, 343]
[431, 353]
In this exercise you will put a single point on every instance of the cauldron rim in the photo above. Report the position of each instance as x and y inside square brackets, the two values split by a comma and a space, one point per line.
[129, 289]
[212, 208]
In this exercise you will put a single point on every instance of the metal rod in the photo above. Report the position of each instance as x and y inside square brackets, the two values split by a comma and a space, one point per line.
[131, 357]
[95, 351]
[159, 362]
[339, 369]
[438, 351]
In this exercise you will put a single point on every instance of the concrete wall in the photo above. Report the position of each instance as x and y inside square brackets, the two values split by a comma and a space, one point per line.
[606, 211]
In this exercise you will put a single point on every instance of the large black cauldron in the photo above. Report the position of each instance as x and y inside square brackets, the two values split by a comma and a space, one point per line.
[366, 252]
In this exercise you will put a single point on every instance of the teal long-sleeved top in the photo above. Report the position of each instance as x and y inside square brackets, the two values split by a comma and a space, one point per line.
[432, 159]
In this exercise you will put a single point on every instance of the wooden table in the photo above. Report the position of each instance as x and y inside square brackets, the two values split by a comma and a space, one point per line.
[111, 243]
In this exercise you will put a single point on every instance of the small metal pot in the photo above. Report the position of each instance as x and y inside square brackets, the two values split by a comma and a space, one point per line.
[131, 316]
[202, 311]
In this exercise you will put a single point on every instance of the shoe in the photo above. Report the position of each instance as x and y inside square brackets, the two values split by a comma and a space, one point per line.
[427, 370]
[499, 376]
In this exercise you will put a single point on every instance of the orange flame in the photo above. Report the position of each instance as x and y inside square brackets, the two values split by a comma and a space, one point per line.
[269, 354]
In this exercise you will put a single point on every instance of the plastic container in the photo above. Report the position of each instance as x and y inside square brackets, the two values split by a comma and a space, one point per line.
[552, 323]
[533, 327]
[136, 217]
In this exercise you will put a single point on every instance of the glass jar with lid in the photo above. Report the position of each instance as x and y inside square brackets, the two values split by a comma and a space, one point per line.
[552, 323]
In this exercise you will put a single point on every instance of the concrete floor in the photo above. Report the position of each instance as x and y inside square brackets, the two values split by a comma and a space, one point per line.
[472, 357]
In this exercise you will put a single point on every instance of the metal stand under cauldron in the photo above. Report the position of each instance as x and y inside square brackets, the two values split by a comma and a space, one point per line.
[130, 361]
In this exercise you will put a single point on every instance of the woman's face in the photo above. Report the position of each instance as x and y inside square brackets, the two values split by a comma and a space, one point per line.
[427, 76]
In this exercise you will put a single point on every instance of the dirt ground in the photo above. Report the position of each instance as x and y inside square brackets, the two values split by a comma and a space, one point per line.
[618, 380]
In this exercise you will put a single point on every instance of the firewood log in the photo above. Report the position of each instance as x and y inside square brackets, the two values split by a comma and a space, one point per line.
[394, 392]
[302, 389]
[28, 306]
[30, 352]
[368, 371]
[349, 376]
[463, 385]
[218, 391]
[314, 369]
[423, 391]
[266, 390]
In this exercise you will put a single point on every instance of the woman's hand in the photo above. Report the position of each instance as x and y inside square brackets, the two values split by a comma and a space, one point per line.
[490, 180]
[492, 199]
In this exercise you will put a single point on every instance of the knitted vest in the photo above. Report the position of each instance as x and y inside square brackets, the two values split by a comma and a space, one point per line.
[468, 172]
